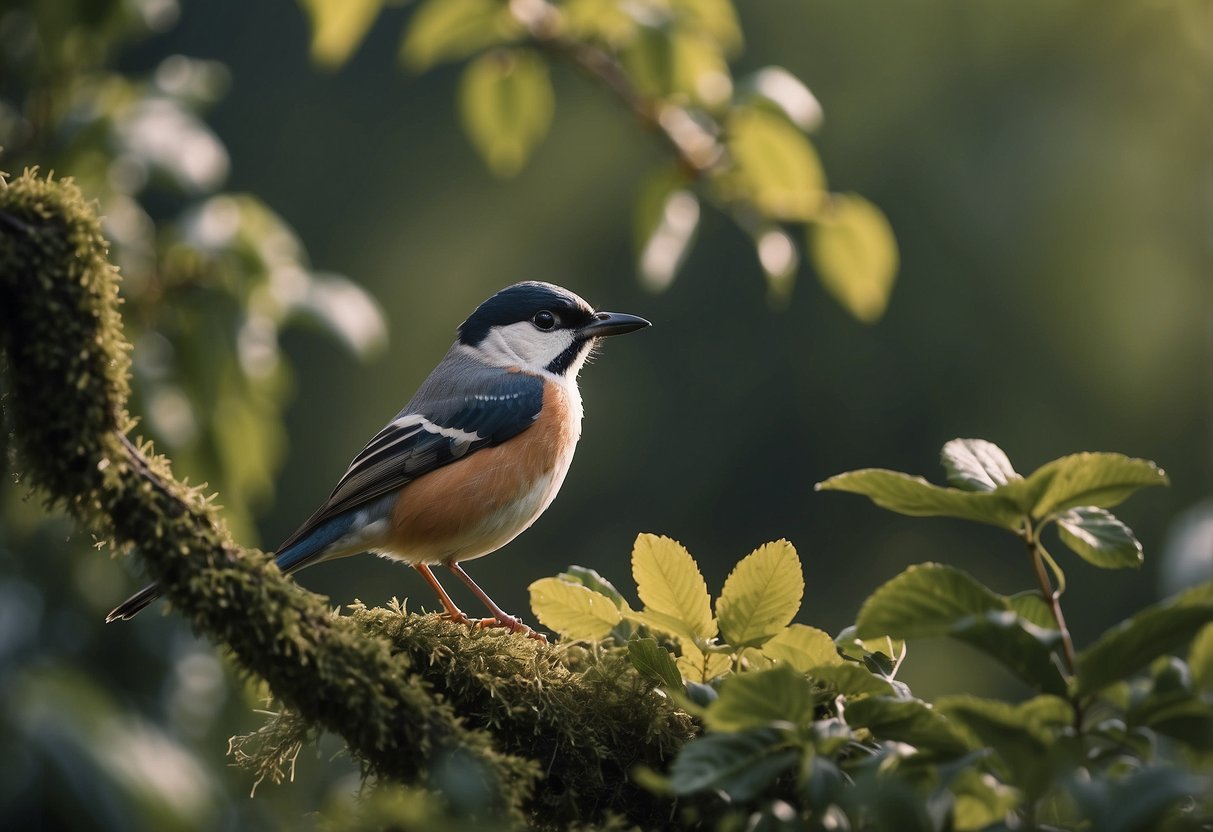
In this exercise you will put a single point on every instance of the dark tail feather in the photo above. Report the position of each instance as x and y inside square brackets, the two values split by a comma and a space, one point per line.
[131, 606]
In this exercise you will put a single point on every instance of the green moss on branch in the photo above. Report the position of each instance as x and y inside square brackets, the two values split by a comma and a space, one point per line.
[403, 691]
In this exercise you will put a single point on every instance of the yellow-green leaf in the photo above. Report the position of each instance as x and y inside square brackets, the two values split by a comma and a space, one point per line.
[654, 662]
[338, 26]
[670, 584]
[761, 595]
[573, 610]
[753, 700]
[443, 30]
[698, 666]
[506, 104]
[855, 253]
[775, 167]
[1086, 479]
[802, 647]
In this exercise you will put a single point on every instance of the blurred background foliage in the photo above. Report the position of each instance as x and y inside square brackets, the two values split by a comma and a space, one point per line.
[1046, 169]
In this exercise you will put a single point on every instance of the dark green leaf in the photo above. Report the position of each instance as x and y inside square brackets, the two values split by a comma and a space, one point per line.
[851, 680]
[979, 801]
[1099, 538]
[925, 601]
[976, 465]
[654, 662]
[1136, 802]
[1200, 659]
[1132, 644]
[917, 497]
[1023, 648]
[759, 698]
[910, 721]
[1033, 609]
[741, 765]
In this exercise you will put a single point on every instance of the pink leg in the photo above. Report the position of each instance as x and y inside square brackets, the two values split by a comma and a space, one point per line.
[452, 612]
[500, 617]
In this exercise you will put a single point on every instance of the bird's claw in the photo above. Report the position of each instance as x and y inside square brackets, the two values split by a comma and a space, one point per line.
[514, 625]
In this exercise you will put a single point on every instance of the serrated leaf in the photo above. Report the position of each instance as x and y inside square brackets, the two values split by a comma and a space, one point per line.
[916, 497]
[1086, 479]
[760, 698]
[855, 254]
[654, 662]
[761, 595]
[925, 601]
[851, 680]
[338, 26]
[443, 30]
[1131, 645]
[1098, 537]
[910, 721]
[741, 765]
[669, 584]
[573, 610]
[506, 104]
[775, 167]
[698, 666]
[802, 648]
[976, 465]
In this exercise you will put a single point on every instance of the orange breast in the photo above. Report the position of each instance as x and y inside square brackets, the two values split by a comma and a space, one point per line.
[479, 503]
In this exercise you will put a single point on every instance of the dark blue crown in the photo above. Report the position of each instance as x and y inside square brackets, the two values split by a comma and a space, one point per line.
[520, 302]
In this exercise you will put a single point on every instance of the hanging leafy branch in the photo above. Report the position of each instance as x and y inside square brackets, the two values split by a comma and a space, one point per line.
[738, 145]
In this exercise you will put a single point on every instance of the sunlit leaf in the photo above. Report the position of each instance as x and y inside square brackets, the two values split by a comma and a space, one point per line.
[572, 610]
[761, 595]
[1086, 479]
[442, 30]
[801, 647]
[590, 579]
[506, 104]
[741, 765]
[1200, 659]
[774, 166]
[851, 680]
[1132, 644]
[665, 220]
[347, 311]
[338, 27]
[654, 662]
[910, 721]
[669, 583]
[925, 600]
[853, 249]
[1032, 608]
[762, 697]
[715, 18]
[976, 465]
[1099, 538]
[607, 21]
[784, 90]
[915, 496]
[696, 665]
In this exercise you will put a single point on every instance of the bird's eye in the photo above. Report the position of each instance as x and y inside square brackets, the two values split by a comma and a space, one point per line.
[544, 319]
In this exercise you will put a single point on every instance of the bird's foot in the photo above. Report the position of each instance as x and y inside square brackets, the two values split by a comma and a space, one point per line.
[514, 625]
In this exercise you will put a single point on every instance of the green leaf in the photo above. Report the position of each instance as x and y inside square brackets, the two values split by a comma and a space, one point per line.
[760, 698]
[573, 610]
[1023, 648]
[925, 601]
[851, 680]
[506, 104]
[1087, 479]
[696, 665]
[1132, 644]
[1033, 609]
[1140, 800]
[590, 579]
[1200, 659]
[761, 595]
[741, 765]
[338, 26]
[855, 254]
[670, 585]
[910, 721]
[980, 801]
[775, 168]
[654, 662]
[664, 224]
[917, 497]
[801, 647]
[443, 30]
[1099, 538]
[976, 465]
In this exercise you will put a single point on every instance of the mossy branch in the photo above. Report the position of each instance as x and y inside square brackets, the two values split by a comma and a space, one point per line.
[404, 692]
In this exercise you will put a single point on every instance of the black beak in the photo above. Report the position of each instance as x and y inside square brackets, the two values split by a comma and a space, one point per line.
[612, 323]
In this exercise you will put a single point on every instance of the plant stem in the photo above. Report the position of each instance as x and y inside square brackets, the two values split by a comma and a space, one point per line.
[1053, 598]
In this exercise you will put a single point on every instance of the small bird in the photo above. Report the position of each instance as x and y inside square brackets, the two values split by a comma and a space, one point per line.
[474, 458]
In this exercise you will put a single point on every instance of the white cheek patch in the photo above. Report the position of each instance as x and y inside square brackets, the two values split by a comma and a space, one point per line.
[523, 345]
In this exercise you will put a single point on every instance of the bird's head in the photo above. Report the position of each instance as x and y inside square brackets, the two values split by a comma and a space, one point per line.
[540, 328]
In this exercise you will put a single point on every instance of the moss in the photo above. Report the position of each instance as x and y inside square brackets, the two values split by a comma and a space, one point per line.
[403, 691]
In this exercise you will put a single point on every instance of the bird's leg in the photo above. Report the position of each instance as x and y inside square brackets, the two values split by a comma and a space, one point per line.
[500, 617]
[452, 612]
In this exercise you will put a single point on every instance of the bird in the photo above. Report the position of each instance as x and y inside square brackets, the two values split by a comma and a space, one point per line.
[475, 457]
